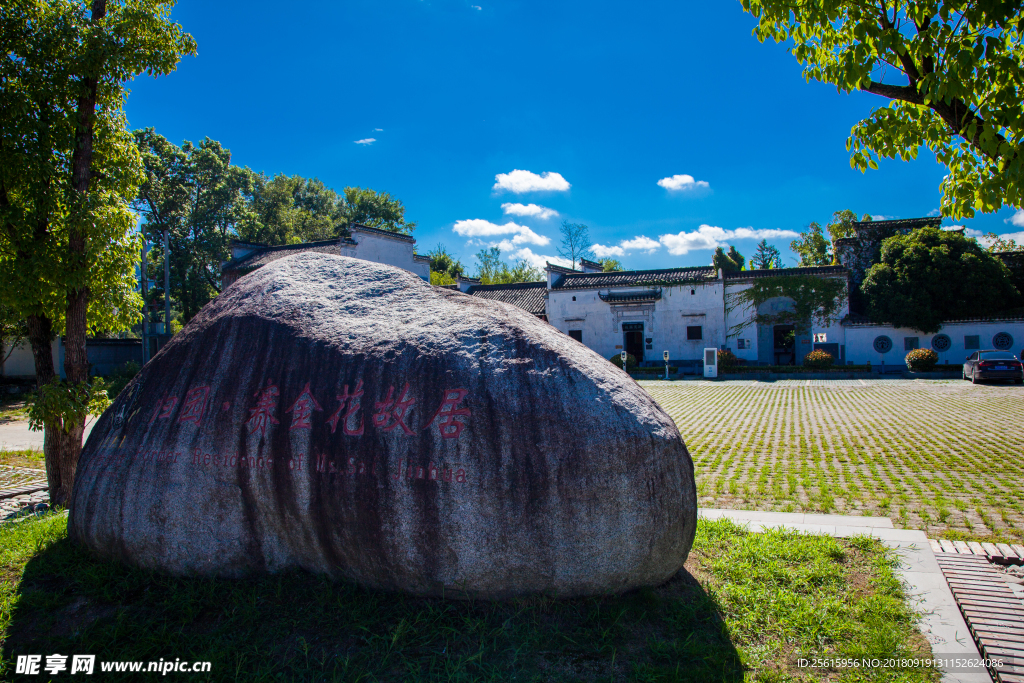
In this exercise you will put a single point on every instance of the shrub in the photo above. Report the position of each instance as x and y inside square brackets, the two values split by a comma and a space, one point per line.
[922, 360]
[119, 378]
[727, 360]
[819, 359]
[630, 361]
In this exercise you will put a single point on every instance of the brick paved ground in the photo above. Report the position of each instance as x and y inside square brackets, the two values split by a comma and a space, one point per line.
[946, 457]
[12, 478]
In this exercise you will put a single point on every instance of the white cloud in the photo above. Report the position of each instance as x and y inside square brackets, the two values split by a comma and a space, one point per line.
[478, 227]
[934, 212]
[601, 251]
[541, 212]
[366, 141]
[520, 182]
[682, 183]
[538, 260]
[641, 243]
[710, 236]
[476, 6]
[881, 217]
[378, 130]
[1017, 219]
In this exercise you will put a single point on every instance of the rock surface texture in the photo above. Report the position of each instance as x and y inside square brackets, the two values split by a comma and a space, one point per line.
[345, 417]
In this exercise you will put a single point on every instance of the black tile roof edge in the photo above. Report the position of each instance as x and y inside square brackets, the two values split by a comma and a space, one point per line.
[240, 262]
[468, 279]
[576, 275]
[421, 258]
[1013, 317]
[592, 264]
[561, 269]
[378, 231]
[511, 285]
[246, 244]
[773, 272]
[900, 222]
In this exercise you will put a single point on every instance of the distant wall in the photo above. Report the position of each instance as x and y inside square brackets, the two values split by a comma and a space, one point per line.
[954, 344]
[104, 355]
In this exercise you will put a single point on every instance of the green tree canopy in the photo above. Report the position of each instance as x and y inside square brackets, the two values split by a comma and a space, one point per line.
[766, 257]
[610, 265]
[729, 262]
[445, 269]
[933, 275]
[951, 69]
[812, 247]
[374, 209]
[491, 270]
[68, 168]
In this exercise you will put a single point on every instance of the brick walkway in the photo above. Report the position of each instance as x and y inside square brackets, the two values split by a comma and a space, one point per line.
[20, 487]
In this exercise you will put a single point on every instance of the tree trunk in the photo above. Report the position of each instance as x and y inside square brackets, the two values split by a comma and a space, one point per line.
[63, 444]
[60, 470]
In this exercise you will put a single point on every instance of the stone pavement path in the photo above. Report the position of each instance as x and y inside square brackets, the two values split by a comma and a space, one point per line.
[19, 488]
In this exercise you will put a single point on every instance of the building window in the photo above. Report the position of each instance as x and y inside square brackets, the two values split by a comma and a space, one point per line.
[741, 344]
[910, 343]
[883, 344]
[1002, 341]
[577, 335]
[941, 343]
[972, 341]
[694, 332]
[574, 298]
[692, 292]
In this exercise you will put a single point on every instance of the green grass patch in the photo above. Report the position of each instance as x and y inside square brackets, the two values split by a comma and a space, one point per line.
[13, 408]
[746, 607]
[27, 458]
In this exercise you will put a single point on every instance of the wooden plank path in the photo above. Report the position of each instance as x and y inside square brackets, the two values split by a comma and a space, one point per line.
[1000, 553]
[993, 612]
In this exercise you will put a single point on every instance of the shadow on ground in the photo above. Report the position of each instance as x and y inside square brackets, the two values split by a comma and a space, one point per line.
[297, 626]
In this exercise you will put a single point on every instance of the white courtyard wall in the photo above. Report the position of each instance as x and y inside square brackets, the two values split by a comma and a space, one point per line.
[861, 339]
[385, 249]
[665, 320]
[22, 363]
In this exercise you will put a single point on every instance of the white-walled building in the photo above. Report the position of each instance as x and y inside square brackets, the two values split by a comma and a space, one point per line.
[370, 244]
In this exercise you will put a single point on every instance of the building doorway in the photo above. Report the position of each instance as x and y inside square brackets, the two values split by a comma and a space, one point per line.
[784, 344]
[633, 340]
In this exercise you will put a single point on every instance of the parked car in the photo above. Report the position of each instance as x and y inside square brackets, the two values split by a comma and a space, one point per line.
[993, 364]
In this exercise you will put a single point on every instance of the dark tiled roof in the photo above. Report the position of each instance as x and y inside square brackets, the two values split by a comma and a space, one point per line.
[555, 268]
[637, 278]
[900, 224]
[528, 296]
[387, 233]
[1012, 315]
[638, 297]
[265, 255]
[784, 272]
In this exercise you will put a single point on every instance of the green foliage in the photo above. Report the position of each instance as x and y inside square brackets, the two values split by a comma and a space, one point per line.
[630, 361]
[289, 210]
[726, 360]
[729, 262]
[118, 378]
[610, 265]
[576, 242]
[933, 275]
[997, 243]
[951, 69]
[812, 247]
[820, 299]
[66, 403]
[766, 257]
[13, 330]
[819, 359]
[375, 210]
[491, 270]
[445, 269]
[922, 360]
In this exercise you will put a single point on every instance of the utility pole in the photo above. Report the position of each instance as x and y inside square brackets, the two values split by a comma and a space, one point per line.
[167, 286]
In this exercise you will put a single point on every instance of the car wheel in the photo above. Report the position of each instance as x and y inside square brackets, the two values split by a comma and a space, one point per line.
[963, 374]
[974, 377]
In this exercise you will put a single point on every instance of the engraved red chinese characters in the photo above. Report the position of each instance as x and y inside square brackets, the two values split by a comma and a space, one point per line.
[302, 409]
[263, 413]
[353, 405]
[449, 427]
[390, 409]
[194, 405]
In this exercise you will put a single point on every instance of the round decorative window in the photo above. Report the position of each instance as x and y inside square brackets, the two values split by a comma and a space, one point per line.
[941, 342]
[1002, 341]
[883, 344]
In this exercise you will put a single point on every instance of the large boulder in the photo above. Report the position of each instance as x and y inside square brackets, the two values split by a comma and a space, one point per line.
[345, 417]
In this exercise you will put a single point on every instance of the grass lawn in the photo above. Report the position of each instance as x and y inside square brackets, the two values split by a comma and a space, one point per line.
[940, 456]
[13, 408]
[746, 607]
[27, 458]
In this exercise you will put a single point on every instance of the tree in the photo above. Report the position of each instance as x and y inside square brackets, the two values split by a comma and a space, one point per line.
[933, 275]
[951, 70]
[610, 265]
[731, 262]
[199, 198]
[997, 243]
[13, 331]
[68, 167]
[812, 247]
[491, 270]
[374, 209]
[445, 269]
[575, 242]
[766, 257]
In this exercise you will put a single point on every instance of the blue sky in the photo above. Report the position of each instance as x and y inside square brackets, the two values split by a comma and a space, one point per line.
[495, 121]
